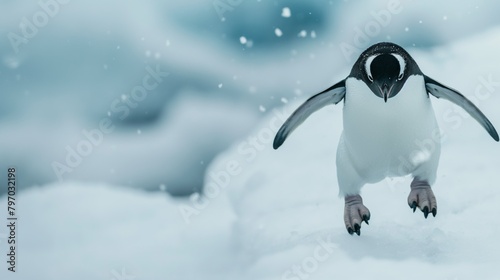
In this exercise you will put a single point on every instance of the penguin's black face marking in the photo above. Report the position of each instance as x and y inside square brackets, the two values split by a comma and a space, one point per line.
[385, 74]
[384, 68]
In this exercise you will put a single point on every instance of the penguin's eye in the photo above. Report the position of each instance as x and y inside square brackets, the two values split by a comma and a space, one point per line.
[400, 77]
[370, 78]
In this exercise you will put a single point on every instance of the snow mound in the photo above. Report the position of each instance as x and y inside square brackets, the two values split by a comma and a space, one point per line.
[290, 220]
[81, 231]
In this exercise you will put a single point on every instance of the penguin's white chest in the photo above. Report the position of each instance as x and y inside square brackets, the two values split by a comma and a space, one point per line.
[389, 138]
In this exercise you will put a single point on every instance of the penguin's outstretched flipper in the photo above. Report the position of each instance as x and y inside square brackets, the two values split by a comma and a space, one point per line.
[441, 91]
[331, 95]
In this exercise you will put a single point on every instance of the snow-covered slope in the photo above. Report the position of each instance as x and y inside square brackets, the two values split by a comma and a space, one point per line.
[286, 200]
[76, 231]
[276, 215]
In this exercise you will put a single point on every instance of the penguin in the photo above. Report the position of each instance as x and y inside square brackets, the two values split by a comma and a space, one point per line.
[389, 128]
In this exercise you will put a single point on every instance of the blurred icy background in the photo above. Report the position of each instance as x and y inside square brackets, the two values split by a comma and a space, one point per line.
[224, 76]
[229, 64]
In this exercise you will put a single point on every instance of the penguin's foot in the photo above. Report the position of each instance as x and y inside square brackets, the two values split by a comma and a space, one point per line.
[355, 213]
[421, 196]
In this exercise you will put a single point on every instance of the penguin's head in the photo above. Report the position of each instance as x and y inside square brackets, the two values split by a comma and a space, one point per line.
[384, 68]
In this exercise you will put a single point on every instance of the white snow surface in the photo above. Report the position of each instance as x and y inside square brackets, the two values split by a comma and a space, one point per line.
[276, 214]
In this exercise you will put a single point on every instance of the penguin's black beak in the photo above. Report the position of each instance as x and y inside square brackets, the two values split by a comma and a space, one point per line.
[385, 90]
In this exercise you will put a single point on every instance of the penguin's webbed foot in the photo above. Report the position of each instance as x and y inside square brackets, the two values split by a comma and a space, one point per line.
[421, 196]
[355, 213]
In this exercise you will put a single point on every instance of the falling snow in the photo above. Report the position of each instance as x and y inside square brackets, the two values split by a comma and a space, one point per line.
[286, 13]
[278, 32]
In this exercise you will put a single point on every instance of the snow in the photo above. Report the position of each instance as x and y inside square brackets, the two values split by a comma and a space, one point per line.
[286, 13]
[278, 32]
[275, 214]
[77, 231]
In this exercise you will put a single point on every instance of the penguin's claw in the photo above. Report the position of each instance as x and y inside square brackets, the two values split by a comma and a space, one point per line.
[366, 218]
[426, 211]
[354, 214]
[357, 229]
[350, 231]
[414, 206]
[421, 196]
[434, 212]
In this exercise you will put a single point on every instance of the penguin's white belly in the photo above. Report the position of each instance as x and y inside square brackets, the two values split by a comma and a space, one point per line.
[393, 138]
